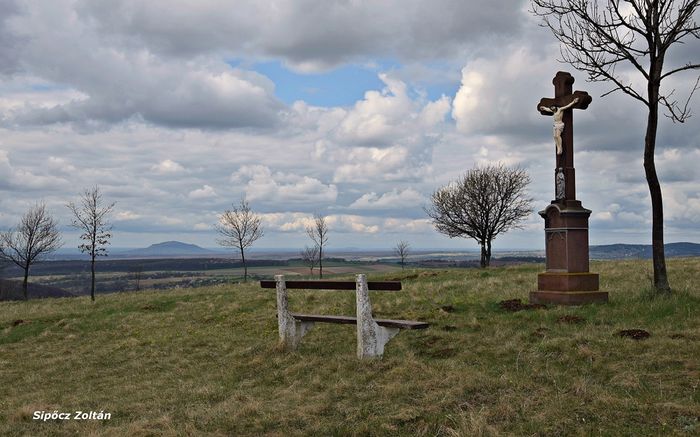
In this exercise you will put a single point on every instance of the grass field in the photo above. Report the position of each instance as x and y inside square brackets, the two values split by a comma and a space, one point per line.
[205, 361]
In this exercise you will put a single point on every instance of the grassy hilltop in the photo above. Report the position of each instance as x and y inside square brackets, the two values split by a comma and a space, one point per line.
[205, 362]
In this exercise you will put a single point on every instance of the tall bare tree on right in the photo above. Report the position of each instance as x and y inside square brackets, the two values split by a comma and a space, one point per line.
[318, 232]
[602, 37]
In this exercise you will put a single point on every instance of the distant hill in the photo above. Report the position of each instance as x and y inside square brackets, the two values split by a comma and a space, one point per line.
[622, 251]
[167, 249]
[12, 290]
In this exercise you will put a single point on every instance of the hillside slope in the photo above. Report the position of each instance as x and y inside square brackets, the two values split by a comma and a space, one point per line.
[205, 361]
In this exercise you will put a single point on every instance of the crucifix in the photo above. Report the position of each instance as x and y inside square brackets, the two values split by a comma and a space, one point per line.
[560, 107]
[566, 279]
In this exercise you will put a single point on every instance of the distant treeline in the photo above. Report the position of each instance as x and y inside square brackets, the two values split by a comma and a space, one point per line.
[144, 265]
[12, 290]
[506, 260]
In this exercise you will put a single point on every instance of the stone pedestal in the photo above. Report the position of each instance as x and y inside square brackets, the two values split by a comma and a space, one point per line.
[567, 280]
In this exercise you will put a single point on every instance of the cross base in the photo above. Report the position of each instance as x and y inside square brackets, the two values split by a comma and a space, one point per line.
[568, 297]
[567, 280]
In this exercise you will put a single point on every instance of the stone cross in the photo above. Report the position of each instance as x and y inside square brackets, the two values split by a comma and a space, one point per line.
[564, 98]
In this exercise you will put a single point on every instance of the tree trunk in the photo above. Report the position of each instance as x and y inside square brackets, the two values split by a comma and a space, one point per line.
[320, 262]
[92, 285]
[661, 285]
[25, 282]
[488, 253]
[245, 267]
[483, 263]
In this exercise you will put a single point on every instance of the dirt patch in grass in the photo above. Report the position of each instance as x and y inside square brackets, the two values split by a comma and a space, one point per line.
[401, 278]
[436, 347]
[449, 328]
[514, 305]
[448, 308]
[571, 319]
[686, 337]
[424, 274]
[428, 274]
[18, 322]
[634, 334]
[539, 332]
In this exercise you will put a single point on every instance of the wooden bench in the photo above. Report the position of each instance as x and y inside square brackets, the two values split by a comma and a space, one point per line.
[372, 334]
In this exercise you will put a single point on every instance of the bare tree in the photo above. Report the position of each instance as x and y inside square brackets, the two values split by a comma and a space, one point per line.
[136, 274]
[401, 250]
[310, 257]
[318, 232]
[240, 227]
[35, 236]
[482, 204]
[598, 38]
[90, 217]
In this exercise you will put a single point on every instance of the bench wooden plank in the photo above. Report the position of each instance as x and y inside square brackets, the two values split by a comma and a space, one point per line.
[334, 285]
[387, 323]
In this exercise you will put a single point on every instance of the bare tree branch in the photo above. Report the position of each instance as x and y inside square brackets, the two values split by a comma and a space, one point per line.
[675, 112]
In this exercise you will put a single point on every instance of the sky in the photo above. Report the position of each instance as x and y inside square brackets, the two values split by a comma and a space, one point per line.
[355, 110]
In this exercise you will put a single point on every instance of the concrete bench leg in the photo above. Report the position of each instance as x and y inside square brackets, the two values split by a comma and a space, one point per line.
[371, 338]
[291, 330]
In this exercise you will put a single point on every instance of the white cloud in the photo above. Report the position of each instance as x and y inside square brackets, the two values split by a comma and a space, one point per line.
[390, 200]
[337, 223]
[120, 82]
[376, 119]
[126, 216]
[263, 185]
[205, 192]
[343, 223]
[167, 166]
[287, 221]
[21, 178]
[170, 221]
[308, 35]
[371, 163]
[410, 226]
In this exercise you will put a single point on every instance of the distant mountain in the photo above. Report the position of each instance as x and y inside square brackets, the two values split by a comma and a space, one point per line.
[621, 251]
[169, 249]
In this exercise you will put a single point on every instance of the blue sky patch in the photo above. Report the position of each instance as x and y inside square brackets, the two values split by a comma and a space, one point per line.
[342, 86]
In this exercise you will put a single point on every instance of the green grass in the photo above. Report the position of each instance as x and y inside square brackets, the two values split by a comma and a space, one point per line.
[206, 362]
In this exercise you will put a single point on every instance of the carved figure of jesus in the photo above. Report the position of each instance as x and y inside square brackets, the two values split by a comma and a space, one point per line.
[558, 121]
